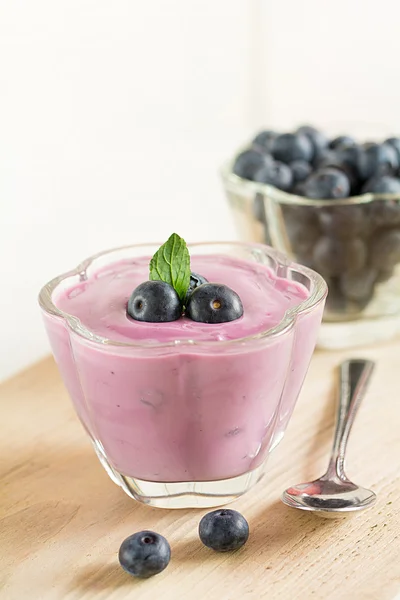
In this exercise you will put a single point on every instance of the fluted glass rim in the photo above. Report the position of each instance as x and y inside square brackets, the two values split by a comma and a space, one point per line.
[283, 264]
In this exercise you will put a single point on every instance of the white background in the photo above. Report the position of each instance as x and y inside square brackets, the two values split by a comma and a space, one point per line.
[115, 116]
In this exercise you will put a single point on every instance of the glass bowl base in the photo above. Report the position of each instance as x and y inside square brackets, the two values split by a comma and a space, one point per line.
[351, 334]
[188, 494]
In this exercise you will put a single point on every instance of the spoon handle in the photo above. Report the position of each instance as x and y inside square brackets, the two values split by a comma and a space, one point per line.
[353, 381]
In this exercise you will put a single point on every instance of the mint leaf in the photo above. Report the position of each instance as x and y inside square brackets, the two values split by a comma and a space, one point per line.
[171, 263]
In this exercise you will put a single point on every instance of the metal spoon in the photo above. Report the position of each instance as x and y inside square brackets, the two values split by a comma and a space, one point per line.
[334, 492]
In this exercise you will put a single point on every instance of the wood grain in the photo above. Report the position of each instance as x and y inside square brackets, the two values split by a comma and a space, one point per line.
[62, 520]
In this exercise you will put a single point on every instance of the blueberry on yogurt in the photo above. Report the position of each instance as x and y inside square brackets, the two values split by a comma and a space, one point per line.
[214, 303]
[154, 302]
[195, 281]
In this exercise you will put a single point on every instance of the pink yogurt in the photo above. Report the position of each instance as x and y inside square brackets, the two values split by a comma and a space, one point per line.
[184, 401]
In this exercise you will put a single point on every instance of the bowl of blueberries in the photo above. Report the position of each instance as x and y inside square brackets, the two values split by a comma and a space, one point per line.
[334, 206]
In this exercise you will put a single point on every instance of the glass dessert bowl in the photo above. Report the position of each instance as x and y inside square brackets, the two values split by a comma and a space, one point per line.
[184, 414]
[354, 243]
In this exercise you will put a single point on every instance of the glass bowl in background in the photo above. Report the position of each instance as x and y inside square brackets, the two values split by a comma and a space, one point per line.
[186, 423]
[354, 243]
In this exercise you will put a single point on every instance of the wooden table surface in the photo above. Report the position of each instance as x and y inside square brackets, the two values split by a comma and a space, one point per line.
[62, 520]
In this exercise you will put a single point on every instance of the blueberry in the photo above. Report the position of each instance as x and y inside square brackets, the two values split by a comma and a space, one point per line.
[343, 221]
[214, 303]
[300, 170]
[335, 301]
[378, 159]
[327, 158]
[224, 530]
[384, 275]
[292, 146]
[385, 249]
[195, 281]
[298, 189]
[332, 257]
[358, 286]
[342, 141]
[276, 173]
[248, 162]
[327, 183]
[318, 140]
[395, 143]
[144, 554]
[349, 159]
[384, 213]
[154, 302]
[263, 140]
[382, 184]
[302, 229]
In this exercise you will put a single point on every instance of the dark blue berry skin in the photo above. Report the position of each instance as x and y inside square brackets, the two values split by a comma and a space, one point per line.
[292, 146]
[248, 163]
[385, 249]
[318, 140]
[343, 221]
[358, 286]
[327, 183]
[383, 184]
[378, 159]
[154, 302]
[333, 257]
[144, 554]
[214, 303]
[395, 143]
[195, 281]
[300, 170]
[224, 530]
[342, 141]
[263, 140]
[275, 173]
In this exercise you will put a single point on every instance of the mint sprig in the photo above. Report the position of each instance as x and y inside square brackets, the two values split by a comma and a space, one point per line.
[171, 263]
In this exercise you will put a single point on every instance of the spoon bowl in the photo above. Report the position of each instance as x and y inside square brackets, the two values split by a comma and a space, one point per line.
[334, 493]
[329, 496]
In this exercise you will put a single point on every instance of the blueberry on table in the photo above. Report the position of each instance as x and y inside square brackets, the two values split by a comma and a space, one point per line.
[342, 141]
[327, 183]
[144, 554]
[195, 281]
[318, 140]
[275, 173]
[378, 159]
[214, 303]
[382, 184]
[263, 140]
[385, 249]
[249, 162]
[300, 170]
[292, 146]
[154, 302]
[224, 530]
[333, 257]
